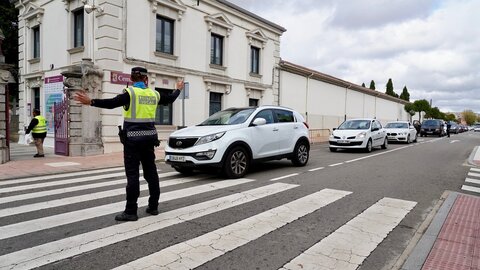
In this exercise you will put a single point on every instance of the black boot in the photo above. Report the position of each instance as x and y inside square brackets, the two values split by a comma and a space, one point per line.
[126, 217]
[152, 211]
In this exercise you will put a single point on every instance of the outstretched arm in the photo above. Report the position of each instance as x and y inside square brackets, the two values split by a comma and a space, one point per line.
[166, 99]
[109, 103]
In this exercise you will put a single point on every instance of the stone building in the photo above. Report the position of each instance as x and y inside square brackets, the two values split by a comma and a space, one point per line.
[229, 57]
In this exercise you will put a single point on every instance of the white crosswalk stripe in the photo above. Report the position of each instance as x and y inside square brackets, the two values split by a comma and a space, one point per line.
[55, 176]
[200, 250]
[199, 196]
[474, 172]
[348, 246]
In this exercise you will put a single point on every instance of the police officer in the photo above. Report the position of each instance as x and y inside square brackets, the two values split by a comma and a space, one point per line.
[38, 127]
[139, 136]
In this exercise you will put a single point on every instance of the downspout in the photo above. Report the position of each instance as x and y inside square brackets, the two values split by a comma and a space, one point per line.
[306, 96]
[124, 32]
[346, 89]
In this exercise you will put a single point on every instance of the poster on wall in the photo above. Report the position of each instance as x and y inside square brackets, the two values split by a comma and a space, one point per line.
[53, 91]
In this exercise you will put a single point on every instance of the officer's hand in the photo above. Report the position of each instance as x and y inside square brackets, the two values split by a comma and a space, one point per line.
[82, 98]
[180, 85]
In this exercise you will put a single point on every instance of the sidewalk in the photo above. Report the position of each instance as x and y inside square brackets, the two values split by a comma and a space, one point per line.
[452, 240]
[52, 164]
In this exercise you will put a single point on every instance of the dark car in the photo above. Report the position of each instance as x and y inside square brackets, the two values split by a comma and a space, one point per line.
[432, 127]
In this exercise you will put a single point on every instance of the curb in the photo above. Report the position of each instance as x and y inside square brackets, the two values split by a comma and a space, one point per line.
[419, 254]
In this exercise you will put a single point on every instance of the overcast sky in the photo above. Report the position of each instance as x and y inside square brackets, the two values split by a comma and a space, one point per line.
[430, 46]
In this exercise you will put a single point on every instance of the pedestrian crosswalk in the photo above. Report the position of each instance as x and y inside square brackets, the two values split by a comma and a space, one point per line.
[472, 181]
[54, 221]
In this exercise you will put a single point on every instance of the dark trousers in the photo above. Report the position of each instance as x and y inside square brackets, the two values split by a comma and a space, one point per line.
[133, 155]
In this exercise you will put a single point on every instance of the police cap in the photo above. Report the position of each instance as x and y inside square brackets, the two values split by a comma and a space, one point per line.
[140, 71]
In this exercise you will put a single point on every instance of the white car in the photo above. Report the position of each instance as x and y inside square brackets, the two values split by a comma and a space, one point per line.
[231, 139]
[476, 127]
[401, 131]
[364, 133]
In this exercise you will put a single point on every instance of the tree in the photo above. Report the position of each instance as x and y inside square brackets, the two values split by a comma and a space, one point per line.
[405, 95]
[469, 116]
[8, 25]
[372, 85]
[435, 113]
[450, 117]
[410, 109]
[421, 106]
[363, 85]
[9, 46]
[390, 91]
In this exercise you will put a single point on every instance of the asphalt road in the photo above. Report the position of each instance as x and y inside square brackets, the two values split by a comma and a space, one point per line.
[419, 173]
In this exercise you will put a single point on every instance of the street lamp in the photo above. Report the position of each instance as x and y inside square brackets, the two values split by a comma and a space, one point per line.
[89, 9]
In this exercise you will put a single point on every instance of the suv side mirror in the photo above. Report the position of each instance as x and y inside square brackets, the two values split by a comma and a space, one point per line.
[334, 129]
[259, 121]
[375, 129]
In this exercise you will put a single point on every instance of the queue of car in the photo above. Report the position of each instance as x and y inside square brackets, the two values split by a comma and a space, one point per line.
[230, 140]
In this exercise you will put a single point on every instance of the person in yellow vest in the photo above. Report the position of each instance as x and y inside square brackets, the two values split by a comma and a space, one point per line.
[38, 127]
[139, 136]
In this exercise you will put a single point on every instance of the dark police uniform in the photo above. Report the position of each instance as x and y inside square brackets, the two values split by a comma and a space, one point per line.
[140, 137]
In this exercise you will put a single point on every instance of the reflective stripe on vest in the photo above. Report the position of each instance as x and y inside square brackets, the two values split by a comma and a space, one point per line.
[41, 127]
[143, 105]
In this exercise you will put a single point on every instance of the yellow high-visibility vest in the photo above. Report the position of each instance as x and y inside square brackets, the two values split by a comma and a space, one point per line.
[41, 127]
[143, 105]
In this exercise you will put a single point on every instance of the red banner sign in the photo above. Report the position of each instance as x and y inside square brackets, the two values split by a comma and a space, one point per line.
[120, 78]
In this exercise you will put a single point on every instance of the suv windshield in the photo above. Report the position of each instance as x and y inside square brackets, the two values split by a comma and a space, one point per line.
[355, 124]
[228, 117]
[396, 125]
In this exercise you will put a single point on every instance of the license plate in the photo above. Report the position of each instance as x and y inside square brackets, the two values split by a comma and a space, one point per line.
[342, 141]
[429, 132]
[177, 158]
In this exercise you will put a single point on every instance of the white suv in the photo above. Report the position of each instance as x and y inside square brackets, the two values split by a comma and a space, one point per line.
[231, 139]
[364, 133]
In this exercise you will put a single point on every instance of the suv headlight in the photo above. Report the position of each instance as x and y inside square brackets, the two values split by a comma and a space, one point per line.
[361, 135]
[209, 138]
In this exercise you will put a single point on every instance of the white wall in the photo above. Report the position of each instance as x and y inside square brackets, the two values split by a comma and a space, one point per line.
[326, 105]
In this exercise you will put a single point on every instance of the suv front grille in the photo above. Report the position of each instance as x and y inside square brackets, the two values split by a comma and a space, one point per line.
[181, 143]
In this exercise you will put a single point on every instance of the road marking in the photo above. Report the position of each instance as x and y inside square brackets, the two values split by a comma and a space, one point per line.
[71, 246]
[75, 216]
[73, 181]
[474, 181]
[470, 188]
[316, 169]
[336, 164]
[378, 154]
[82, 198]
[283, 177]
[474, 174]
[48, 177]
[351, 244]
[199, 250]
[477, 154]
[454, 141]
[475, 169]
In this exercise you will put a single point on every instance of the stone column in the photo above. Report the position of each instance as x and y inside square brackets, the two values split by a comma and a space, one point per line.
[5, 78]
[85, 121]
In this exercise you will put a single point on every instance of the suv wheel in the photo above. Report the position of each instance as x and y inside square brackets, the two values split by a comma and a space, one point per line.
[333, 149]
[236, 163]
[300, 154]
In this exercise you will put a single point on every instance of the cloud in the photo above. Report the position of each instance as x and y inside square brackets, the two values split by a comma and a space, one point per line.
[431, 46]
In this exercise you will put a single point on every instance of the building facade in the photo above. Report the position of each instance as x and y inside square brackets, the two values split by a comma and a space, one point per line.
[229, 57]
[225, 53]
